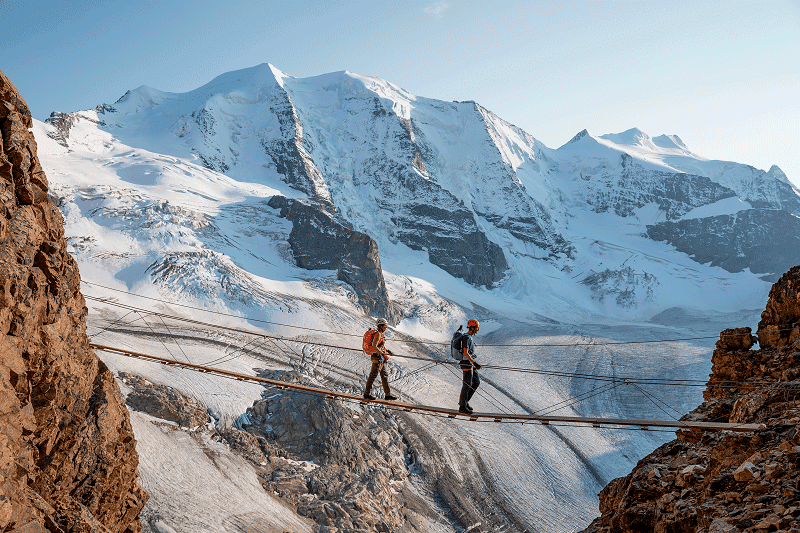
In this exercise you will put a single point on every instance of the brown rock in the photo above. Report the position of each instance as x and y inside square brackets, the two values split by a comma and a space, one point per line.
[758, 488]
[746, 472]
[67, 453]
[736, 339]
[780, 321]
[720, 473]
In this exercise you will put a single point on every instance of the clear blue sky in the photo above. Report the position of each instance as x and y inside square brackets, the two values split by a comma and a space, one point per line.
[723, 75]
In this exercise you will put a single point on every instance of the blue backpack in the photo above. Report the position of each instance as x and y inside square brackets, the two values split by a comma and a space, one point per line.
[455, 344]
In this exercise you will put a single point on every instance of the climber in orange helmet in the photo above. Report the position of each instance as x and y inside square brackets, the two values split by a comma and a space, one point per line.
[469, 366]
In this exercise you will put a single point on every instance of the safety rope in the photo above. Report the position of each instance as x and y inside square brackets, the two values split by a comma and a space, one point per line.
[317, 330]
[727, 384]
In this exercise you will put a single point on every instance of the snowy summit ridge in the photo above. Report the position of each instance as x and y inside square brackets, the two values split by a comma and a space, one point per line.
[452, 186]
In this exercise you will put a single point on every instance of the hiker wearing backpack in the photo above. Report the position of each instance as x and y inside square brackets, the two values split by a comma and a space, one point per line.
[463, 348]
[373, 345]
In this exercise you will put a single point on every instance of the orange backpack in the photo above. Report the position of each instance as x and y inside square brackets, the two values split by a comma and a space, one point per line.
[366, 343]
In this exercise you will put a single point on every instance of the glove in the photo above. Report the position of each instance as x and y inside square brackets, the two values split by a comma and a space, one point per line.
[477, 366]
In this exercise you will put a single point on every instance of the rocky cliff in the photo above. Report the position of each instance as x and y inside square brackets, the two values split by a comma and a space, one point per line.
[320, 242]
[763, 240]
[67, 453]
[631, 186]
[723, 481]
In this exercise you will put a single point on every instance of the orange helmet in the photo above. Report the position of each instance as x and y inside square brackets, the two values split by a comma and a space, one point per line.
[472, 323]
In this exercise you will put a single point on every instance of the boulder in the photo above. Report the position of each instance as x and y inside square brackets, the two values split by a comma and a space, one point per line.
[164, 402]
[746, 472]
[721, 525]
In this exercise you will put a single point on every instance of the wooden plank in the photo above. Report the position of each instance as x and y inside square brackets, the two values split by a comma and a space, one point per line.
[451, 413]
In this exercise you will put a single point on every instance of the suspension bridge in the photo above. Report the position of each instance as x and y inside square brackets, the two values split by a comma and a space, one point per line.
[441, 411]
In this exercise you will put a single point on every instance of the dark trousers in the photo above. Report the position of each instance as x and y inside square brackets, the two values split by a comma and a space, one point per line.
[377, 367]
[469, 386]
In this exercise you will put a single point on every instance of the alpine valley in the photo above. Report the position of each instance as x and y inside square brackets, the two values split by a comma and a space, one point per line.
[305, 208]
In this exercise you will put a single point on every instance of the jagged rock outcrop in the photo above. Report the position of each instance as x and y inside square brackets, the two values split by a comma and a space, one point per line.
[67, 452]
[626, 286]
[719, 481]
[164, 402]
[342, 466]
[319, 242]
[766, 241]
[63, 123]
[360, 458]
[779, 321]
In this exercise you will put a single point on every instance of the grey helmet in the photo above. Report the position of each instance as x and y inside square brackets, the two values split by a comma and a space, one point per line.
[381, 322]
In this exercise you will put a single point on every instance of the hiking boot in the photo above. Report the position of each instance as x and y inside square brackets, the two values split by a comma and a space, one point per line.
[390, 397]
[464, 409]
[369, 397]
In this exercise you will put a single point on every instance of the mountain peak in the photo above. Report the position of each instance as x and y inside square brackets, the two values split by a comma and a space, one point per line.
[248, 80]
[578, 136]
[633, 136]
[142, 95]
[265, 73]
[777, 173]
[669, 141]
[636, 139]
[278, 73]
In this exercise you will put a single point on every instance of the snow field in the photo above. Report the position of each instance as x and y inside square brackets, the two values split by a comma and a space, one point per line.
[197, 484]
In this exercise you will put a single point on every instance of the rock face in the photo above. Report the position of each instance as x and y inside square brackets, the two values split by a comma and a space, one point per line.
[626, 286]
[633, 186]
[766, 241]
[319, 242]
[723, 481]
[778, 326]
[67, 453]
[164, 402]
[342, 466]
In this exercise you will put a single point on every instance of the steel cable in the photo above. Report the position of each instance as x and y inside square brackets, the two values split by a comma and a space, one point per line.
[752, 385]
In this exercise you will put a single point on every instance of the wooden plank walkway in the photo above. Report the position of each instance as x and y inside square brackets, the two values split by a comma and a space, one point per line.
[451, 413]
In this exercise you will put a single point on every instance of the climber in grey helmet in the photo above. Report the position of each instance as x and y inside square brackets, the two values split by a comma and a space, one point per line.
[373, 345]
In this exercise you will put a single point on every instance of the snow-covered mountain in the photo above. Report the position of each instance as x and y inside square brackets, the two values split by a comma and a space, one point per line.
[453, 185]
[319, 202]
